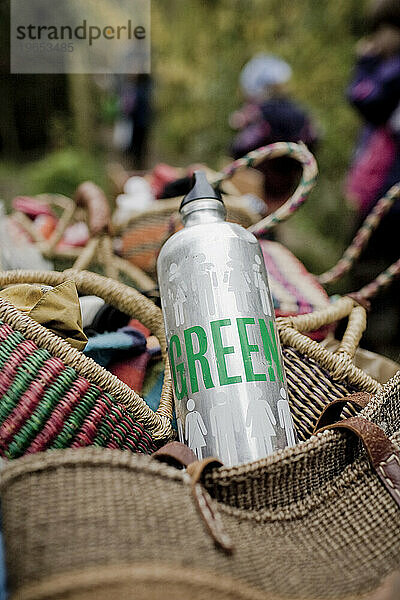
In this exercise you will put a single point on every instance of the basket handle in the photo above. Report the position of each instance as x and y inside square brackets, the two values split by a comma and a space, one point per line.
[351, 306]
[126, 299]
[340, 362]
[68, 208]
[380, 282]
[354, 250]
[92, 198]
[310, 171]
[343, 307]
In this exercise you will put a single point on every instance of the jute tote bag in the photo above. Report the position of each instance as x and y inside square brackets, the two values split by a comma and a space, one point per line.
[320, 520]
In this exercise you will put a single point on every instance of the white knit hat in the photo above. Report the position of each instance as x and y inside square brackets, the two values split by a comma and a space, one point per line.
[262, 71]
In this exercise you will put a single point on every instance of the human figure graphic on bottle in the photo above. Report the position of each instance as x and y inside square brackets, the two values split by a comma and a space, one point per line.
[238, 279]
[260, 284]
[262, 422]
[286, 419]
[180, 293]
[180, 430]
[195, 429]
[203, 284]
[224, 423]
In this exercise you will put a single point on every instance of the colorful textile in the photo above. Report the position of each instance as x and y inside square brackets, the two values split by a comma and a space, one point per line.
[294, 290]
[32, 207]
[105, 347]
[90, 306]
[131, 371]
[371, 167]
[153, 383]
[375, 91]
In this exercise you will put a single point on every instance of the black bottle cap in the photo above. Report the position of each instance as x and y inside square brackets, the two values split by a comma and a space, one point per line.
[201, 189]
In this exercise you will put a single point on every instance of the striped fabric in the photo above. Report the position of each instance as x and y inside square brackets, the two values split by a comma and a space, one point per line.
[294, 290]
[46, 404]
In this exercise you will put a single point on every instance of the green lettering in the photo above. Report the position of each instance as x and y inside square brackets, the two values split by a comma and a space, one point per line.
[220, 352]
[180, 368]
[193, 357]
[270, 349]
[247, 349]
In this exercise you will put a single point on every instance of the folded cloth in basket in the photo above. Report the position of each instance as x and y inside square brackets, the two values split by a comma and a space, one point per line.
[56, 308]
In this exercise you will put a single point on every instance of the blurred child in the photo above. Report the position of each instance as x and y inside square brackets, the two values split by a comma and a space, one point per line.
[268, 116]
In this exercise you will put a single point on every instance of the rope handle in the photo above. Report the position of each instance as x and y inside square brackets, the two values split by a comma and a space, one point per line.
[339, 363]
[291, 331]
[354, 250]
[68, 207]
[343, 307]
[92, 198]
[122, 297]
[352, 306]
[310, 171]
[380, 282]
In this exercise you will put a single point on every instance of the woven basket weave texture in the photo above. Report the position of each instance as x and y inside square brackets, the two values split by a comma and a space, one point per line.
[310, 522]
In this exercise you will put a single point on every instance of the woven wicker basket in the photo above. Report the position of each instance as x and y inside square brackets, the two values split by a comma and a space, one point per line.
[312, 522]
[90, 206]
[315, 375]
[52, 396]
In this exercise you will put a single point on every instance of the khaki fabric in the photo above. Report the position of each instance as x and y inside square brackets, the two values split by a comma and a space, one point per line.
[57, 308]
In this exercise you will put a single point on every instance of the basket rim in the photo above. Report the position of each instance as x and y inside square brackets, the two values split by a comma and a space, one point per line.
[354, 466]
[170, 206]
[157, 423]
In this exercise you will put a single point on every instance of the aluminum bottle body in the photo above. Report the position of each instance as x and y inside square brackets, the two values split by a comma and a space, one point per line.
[229, 384]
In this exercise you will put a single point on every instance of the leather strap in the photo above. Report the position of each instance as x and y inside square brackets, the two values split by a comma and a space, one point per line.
[180, 456]
[332, 411]
[176, 455]
[383, 454]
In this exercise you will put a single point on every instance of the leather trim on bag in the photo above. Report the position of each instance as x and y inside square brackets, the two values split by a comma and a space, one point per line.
[331, 412]
[383, 454]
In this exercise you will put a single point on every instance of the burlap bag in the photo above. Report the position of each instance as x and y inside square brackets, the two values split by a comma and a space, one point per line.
[311, 522]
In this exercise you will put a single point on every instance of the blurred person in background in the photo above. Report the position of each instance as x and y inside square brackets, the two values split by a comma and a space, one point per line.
[374, 91]
[269, 115]
[132, 129]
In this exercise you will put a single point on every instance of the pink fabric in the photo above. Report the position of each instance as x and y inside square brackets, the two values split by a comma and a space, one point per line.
[369, 172]
[31, 207]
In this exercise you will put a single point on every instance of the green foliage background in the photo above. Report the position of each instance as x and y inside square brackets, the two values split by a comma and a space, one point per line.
[199, 48]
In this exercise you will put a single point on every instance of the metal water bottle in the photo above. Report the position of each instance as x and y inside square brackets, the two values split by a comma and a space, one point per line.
[226, 363]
